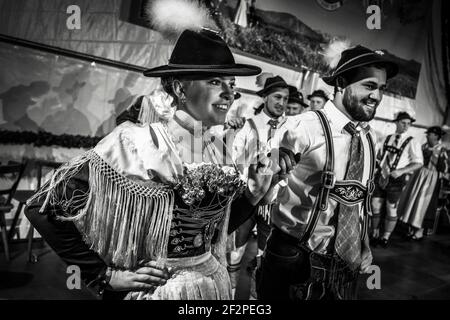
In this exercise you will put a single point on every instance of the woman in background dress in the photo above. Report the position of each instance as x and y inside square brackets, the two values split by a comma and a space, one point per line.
[423, 189]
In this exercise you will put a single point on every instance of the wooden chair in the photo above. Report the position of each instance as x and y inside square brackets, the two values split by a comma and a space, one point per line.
[22, 196]
[6, 196]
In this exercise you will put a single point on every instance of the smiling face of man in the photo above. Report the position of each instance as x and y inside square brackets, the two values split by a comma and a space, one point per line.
[208, 100]
[275, 102]
[362, 97]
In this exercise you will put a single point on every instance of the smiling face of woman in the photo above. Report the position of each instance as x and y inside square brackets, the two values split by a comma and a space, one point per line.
[208, 100]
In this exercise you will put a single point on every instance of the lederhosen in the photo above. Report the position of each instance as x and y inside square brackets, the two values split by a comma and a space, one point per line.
[392, 191]
[330, 277]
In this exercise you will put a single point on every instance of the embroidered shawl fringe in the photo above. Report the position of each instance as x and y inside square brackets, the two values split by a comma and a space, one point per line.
[122, 221]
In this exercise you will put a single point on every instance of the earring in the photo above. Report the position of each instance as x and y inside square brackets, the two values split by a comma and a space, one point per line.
[183, 100]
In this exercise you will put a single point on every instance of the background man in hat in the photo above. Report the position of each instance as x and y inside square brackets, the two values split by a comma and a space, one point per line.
[317, 244]
[400, 156]
[317, 99]
[249, 142]
[295, 104]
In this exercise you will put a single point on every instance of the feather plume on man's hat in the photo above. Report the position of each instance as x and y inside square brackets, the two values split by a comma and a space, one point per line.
[172, 17]
[333, 51]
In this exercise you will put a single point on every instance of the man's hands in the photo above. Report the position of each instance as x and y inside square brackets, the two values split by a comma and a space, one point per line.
[396, 174]
[146, 277]
[235, 123]
[259, 180]
[268, 172]
[367, 258]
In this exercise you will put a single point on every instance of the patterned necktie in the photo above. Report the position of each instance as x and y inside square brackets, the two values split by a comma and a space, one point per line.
[273, 123]
[348, 243]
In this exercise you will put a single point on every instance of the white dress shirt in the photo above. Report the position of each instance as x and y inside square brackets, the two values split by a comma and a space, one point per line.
[304, 134]
[245, 142]
[412, 152]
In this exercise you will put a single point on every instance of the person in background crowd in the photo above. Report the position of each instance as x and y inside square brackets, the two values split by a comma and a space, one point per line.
[295, 104]
[250, 141]
[400, 156]
[421, 194]
[317, 99]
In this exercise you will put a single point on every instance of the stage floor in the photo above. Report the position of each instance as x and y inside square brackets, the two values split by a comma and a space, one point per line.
[409, 270]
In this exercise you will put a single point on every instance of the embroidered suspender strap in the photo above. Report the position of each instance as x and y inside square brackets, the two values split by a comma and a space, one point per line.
[399, 154]
[370, 188]
[328, 179]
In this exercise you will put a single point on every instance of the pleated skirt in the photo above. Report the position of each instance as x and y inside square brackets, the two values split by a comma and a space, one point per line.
[193, 278]
[417, 197]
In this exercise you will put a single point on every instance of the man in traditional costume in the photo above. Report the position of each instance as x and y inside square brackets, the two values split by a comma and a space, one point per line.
[145, 214]
[318, 243]
[399, 157]
[250, 141]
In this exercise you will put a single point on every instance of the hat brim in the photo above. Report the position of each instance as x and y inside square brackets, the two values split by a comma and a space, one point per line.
[405, 118]
[314, 95]
[390, 66]
[267, 90]
[302, 103]
[229, 70]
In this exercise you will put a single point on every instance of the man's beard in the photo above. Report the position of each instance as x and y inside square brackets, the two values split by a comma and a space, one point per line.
[356, 108]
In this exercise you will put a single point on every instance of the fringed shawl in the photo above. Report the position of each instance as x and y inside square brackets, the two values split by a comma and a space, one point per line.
[126, 216]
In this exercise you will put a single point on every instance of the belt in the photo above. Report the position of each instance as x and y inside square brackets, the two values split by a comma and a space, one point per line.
[282, 243]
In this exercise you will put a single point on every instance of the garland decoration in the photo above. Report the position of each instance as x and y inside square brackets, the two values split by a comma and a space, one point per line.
[43, 138]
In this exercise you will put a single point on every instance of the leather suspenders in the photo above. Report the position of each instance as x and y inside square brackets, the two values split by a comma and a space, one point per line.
[329, 180]
[397, 151]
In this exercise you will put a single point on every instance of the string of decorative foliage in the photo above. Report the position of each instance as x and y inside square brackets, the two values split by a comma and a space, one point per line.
[43, 138]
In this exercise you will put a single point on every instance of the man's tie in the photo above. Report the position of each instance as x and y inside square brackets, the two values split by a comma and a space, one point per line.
[273, 123]
[348, 242]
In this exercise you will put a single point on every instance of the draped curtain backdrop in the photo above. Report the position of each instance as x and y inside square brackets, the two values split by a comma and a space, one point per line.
[433, 87]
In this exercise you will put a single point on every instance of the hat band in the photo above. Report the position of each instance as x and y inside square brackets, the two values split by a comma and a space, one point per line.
[276, 84]
[353, 59]
[198, 66]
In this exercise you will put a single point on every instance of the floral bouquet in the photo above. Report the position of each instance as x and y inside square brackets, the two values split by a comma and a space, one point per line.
[200, 179]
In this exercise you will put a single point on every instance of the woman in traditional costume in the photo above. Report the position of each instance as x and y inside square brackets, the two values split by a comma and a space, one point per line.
[422, 192]
[152, 202]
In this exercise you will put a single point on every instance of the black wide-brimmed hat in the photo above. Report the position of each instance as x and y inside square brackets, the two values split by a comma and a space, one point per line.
[404, 115]
[436, 130]
[296, 96]
[271, 85]
[360, 56]
[203, 52]
[319, 94]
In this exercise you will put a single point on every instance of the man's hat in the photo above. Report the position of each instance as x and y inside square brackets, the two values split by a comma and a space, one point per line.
[360, 56]
[296, 96]
[203, 52]
[318, 93]
[271, 84]
[404, 115]
[436, 130]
